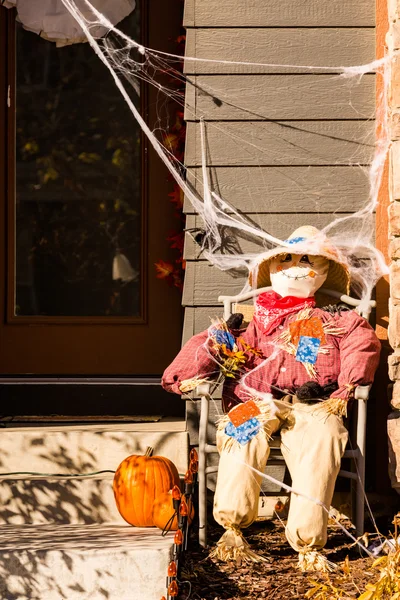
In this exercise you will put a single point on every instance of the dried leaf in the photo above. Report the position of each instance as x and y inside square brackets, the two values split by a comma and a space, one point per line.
[346, 565]
[379, 561]
[177, 197]
[164, 269]
[313, 591]
[89, 157]
[366, 596]
[370, 587]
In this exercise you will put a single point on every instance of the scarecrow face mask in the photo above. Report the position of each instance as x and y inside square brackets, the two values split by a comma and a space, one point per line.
[299, 275]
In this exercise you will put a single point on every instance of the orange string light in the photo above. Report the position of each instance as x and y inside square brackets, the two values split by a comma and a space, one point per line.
[176, 493]
[172, 569]
[188, 477]
[173, 589]
[183, 509]
[178, 538]
[194, 466]
[193, 455]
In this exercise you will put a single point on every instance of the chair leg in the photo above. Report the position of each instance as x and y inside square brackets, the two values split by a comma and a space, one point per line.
[360, 463]
[360, 506]
[202, 472]
[202, 505]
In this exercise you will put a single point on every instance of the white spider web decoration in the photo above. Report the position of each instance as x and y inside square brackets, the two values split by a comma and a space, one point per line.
[352, 233]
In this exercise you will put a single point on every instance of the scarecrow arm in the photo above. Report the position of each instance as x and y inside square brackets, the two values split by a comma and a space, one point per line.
[194, 362]
[359, 354]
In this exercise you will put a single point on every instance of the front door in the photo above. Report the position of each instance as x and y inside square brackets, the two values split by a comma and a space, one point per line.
[84, 210]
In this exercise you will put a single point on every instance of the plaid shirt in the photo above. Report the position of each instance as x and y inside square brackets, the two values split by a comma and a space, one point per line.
[351, 360]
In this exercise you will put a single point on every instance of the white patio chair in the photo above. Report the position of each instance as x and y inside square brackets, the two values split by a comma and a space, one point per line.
[356, 446]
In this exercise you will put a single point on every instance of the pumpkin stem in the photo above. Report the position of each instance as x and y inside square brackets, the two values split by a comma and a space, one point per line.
[149, 451]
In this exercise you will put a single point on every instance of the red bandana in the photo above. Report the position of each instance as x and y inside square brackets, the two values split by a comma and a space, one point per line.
[272, 309]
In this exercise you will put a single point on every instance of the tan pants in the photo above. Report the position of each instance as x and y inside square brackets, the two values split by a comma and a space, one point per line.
[312, 445]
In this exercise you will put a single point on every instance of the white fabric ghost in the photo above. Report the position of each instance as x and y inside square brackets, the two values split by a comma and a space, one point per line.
[51, 19]
[122, 269]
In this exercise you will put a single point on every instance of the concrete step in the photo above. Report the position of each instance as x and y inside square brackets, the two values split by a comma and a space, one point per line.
[63, 538]
[80, 449]
[39, 501]
[75, 449]
[75, 562]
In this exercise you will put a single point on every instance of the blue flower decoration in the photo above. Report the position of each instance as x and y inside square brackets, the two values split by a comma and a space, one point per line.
[245, 432]
[224, 337]
[295, 240]
[307, 349]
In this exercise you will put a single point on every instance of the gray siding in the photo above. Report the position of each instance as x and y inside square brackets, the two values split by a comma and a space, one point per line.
[307, 127]
[278, 97]
[283, 144]
[283, 46]
[337, 189]
[279, 13]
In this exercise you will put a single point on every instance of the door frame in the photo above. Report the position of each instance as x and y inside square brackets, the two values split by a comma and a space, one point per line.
[157, 297]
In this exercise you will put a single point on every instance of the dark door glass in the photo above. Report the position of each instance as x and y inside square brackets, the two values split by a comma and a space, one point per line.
[78, 211]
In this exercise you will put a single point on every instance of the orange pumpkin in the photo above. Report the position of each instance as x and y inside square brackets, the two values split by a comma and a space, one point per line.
[163, 510]
[138, 481]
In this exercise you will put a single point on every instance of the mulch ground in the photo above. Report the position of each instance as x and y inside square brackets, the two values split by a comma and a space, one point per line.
[279, 579]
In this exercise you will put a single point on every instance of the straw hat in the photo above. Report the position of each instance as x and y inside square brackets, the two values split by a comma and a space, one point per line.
[307, 240]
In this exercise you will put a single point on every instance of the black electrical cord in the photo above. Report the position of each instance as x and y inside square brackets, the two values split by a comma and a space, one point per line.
[56, 474]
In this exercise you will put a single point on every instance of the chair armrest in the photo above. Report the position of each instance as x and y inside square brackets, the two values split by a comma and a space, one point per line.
[362, 392]
[203, 390]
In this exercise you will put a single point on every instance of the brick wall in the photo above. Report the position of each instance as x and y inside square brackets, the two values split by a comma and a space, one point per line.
[393, 44]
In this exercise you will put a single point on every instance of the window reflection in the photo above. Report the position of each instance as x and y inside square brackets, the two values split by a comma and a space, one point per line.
[78, 184]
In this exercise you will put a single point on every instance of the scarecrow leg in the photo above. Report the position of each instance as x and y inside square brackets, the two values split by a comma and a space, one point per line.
[238, 490]
[312, 445]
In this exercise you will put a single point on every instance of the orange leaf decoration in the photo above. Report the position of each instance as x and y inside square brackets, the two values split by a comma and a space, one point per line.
[239, 355]
[177, 279]
[248, 348]
[171, 142]
[177, 197]
[176, 240]
[164, 269]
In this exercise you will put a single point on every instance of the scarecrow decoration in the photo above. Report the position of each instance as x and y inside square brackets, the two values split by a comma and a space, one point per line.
[293, 369]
